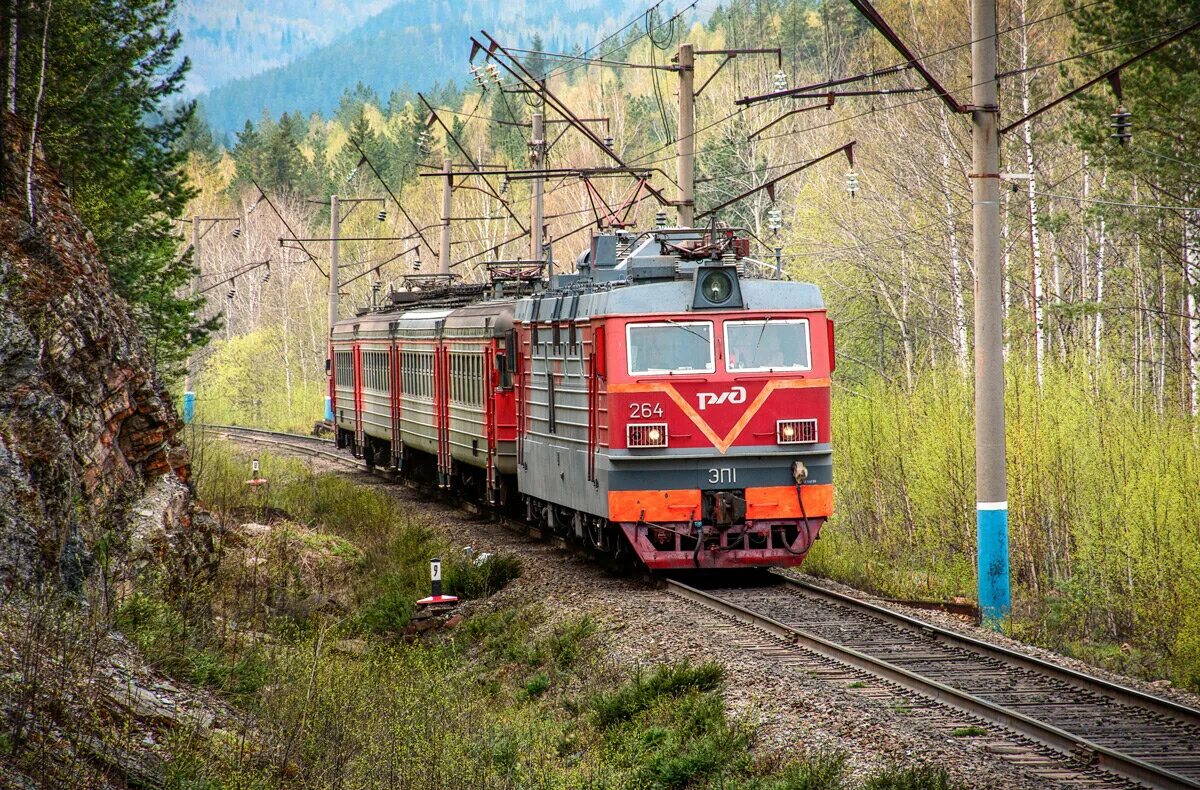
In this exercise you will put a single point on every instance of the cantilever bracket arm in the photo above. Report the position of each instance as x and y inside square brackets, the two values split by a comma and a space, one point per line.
[848, 148]
[879, 23]
[828, 105]
[1111, 74]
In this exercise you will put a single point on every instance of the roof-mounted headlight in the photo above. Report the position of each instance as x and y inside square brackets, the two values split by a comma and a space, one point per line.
[716, 287]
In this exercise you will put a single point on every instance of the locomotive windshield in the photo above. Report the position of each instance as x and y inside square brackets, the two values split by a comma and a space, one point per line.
[770, 344]
[672, 347]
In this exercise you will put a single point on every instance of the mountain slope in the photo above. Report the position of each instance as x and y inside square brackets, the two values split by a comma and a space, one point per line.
[229, 40]
[410, 44]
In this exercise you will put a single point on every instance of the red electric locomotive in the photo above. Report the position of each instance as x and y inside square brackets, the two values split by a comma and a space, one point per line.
[657, 401]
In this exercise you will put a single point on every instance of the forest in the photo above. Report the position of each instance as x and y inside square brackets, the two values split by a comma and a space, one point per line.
[1101, 262]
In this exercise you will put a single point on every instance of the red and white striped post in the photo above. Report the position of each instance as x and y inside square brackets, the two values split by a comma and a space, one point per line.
[435, 577]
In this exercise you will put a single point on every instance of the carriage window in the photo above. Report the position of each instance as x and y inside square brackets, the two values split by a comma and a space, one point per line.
[376, 371]
[673, 347]
[771, 344]
[344, 369]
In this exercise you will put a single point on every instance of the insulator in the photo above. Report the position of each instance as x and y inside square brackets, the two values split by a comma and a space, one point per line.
[504, 187]
[382, 215]
[416, 264]
[608, 143]
[660, 219]
[237, 232]
[353, 173]
[852, 182]
[781, 81]
[774, 219]
[1121, 126]
[267, 276]
[230, 294]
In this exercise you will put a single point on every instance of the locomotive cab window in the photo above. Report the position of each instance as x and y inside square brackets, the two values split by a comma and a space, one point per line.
[772, 344]
[670, 347]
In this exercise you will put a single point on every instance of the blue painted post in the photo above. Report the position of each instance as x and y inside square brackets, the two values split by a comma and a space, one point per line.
[992, 530]
[328, 409]
[991, 481]
[189, 407]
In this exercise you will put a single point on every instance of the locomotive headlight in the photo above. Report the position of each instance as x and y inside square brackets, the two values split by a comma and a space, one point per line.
[788, 432]
[654, 435]
[799, 472]
[717, 286]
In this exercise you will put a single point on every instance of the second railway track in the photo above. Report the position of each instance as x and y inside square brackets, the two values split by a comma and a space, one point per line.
[1145, 739]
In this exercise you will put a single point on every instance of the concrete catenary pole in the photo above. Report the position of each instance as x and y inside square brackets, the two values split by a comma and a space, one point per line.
[189, 395]
[990, 475]
[685, 160]
[537, 157]
[335, 222]
[447, 193]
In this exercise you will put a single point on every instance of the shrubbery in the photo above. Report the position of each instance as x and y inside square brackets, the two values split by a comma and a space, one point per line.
[1102, 496]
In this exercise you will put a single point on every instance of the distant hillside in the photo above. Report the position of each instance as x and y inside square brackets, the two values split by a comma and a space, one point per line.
[235, 38]
[413, 43]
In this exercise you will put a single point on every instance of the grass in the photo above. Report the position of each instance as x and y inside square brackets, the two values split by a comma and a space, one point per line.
[1105, 559]
[646, 690]
[509, 698]
[968, 732]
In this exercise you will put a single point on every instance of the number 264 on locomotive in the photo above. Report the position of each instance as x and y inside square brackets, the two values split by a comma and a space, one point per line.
[659, 401]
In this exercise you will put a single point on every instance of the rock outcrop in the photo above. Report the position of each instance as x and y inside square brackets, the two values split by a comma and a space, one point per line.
[84, 422]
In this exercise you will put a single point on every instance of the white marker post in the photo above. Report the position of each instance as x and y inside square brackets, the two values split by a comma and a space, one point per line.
[256, 479]
[435, 577]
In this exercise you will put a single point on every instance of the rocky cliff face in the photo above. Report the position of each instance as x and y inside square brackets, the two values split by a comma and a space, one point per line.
[84, 423]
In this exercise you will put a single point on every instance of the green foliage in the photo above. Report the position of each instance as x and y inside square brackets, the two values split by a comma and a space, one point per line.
[644, 691]
[1100, 488]
[107, 124]
[161, 635]
[912, 777]
[968, 732]
[236, 387]
[537, 685]
[823, 770]
[466, 577]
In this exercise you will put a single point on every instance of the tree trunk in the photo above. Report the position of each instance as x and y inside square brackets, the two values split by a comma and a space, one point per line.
[1191, 282]
[1038, 300]
[10, 88]
[37, 110]
[960, 321]
[1098, 327]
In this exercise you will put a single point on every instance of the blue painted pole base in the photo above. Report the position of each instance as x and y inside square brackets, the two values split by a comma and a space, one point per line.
[328, 409]
[189, 407]
[995, 595]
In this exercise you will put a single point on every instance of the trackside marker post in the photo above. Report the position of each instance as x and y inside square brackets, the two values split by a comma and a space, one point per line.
[256, 479]
[435, 578]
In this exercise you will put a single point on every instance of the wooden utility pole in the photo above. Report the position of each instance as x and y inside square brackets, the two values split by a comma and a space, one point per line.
[991, 483]
[685, 162]
[537, 158]
[447, 194]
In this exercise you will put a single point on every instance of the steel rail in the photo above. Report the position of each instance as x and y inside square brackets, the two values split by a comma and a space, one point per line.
[1043, 733]
[1125, 694]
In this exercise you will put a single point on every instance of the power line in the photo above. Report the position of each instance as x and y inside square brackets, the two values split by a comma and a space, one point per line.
[1117, 203]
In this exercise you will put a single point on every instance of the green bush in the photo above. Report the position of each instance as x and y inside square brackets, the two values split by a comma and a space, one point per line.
[164, 640]
[822, 770]
[912, 777]
[465, 576]
[1101, 494]
[668, 680]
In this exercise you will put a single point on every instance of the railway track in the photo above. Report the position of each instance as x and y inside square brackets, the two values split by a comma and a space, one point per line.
[1142, 738]
[1102, 726]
